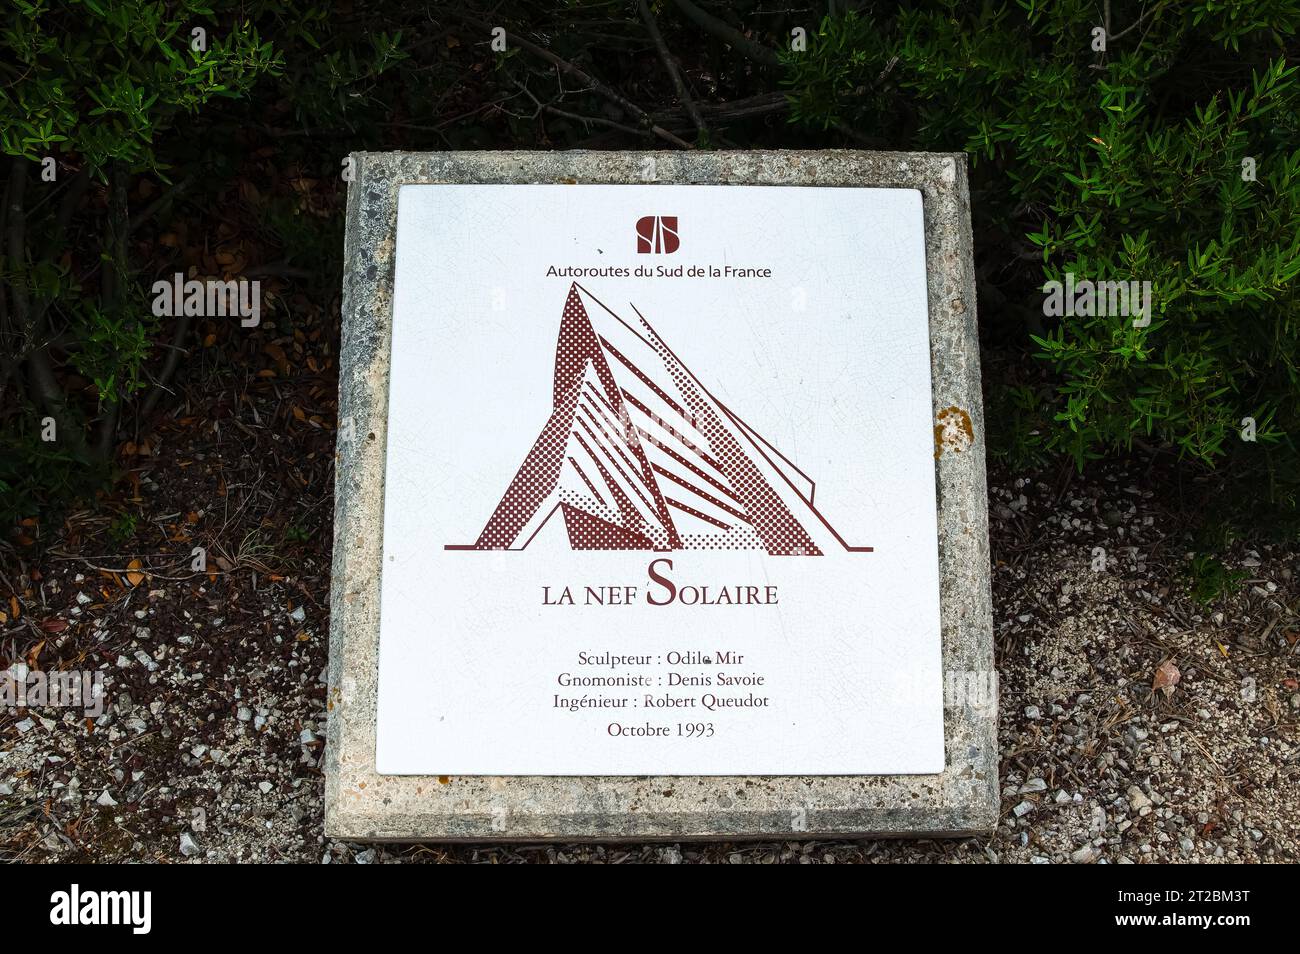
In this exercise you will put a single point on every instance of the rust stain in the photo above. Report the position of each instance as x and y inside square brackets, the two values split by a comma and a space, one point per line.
[444, 779]
[953, 431]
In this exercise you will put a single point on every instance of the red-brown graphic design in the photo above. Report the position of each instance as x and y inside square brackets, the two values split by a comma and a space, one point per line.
[657, 234]
[638, 455]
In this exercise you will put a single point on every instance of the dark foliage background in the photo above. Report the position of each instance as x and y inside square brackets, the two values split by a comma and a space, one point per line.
[223, 160]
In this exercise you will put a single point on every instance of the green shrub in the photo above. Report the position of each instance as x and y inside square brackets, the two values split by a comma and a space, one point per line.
[92, 93]
[1122, 164]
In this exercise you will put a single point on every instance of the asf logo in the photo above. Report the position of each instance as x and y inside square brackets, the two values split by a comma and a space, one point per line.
[657, 234]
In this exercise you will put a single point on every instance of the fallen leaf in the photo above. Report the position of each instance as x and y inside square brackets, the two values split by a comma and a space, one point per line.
[54, 625]
[135, 579]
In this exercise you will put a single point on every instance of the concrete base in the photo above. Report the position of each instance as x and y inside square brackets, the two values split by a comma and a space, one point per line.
[362, 805]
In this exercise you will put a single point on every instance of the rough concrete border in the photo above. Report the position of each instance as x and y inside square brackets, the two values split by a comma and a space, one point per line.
[361, 805]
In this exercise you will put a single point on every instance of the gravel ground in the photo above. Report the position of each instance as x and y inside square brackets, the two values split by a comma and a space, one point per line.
[211, 746]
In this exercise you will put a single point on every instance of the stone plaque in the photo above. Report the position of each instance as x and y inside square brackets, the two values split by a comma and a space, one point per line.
[660, 505]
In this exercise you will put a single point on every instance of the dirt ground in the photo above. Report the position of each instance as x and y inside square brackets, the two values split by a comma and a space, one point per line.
[211, 745]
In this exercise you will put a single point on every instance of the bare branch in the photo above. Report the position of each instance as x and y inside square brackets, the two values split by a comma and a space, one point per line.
[742, 44]
[583, 77]
[174, 355]
[683, 94]
[157, 205]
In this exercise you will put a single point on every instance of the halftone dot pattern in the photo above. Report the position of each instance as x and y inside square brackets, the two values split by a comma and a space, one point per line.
[697, 514]
[589, 532]
[590, 461]
[629, 517]
[782, 534]
[734, 539]
[534, 481]
[692, 467]
[587, 480]
[686, 442]
[702, 494]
